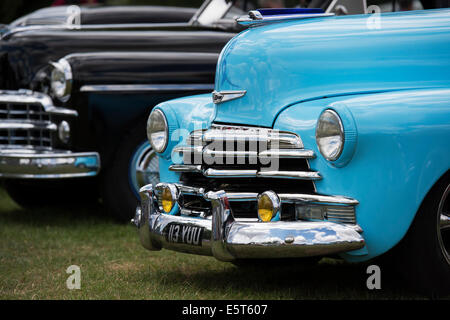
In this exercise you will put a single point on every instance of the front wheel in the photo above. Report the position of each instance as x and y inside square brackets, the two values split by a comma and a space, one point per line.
[425, 252]
[135, 165]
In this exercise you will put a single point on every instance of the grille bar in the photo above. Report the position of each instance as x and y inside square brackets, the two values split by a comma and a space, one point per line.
[231, 147]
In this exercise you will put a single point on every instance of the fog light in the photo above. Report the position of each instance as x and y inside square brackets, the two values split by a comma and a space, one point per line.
[268, 206]
[168, 198]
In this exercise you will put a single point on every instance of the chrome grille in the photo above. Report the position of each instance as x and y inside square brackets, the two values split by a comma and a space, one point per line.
[245, 152]
[25, 125]
[246, 170]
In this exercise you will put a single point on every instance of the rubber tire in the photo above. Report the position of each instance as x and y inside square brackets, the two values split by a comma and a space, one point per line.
[118, 197]
[419, 259]
[30, 194]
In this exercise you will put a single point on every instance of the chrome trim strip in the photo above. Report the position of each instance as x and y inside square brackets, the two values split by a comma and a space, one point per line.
[33, 97]
[287, 153]
[229, 154]
[271, 153]
[227, 95]
[185, 168]
[297, 197]
[219, 173]
[214, 173]
[146, 87]
[34, 164]
[304, 175]
[228, 239]
[25, 125]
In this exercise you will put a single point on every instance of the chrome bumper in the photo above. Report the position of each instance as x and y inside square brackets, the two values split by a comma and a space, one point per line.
[34, 164]
[228, 239]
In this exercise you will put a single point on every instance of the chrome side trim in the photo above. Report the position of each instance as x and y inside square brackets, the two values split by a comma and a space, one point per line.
[34, 164]
[33, 97]
[227, 95]
[146, 87]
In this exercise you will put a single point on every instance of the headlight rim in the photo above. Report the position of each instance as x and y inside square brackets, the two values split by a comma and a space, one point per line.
[341, 134]
[63, 66]
[166, 129]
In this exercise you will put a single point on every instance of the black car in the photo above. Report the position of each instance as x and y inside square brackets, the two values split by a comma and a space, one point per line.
[71, 95]
[76, 84]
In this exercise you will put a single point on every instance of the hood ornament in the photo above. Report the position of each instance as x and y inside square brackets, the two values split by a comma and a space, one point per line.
[227, 95]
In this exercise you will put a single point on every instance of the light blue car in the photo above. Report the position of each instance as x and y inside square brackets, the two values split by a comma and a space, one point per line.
[325, 135]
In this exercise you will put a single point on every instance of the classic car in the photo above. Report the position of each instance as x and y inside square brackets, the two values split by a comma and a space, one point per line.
[324, 136]
[73, 83]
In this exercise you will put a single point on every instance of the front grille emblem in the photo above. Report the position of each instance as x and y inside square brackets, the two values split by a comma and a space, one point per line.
[223, 96]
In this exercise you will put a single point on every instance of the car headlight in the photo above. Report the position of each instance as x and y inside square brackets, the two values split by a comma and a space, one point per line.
[158, 130]
[61, 80]
[330, 135]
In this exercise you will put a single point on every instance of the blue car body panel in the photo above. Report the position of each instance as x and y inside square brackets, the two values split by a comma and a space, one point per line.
[393, 83]
[401, 151]
[284, 63]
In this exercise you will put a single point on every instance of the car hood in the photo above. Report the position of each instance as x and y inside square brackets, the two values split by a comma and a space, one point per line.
[285, 63]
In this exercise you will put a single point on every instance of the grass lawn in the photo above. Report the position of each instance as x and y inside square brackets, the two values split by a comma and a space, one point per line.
[37, 246]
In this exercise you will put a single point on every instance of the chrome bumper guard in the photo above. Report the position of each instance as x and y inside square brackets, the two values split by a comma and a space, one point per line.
[47, 164]
[227, 238]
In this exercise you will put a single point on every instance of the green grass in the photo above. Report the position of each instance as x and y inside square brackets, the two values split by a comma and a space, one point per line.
[37, 246]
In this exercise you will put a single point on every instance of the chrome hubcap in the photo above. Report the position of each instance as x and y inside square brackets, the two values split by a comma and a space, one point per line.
[444, 223]
[144, 168]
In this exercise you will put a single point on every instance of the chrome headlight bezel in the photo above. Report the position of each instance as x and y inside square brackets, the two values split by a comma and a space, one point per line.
[335, 130]
[61, 80]
[158, 118]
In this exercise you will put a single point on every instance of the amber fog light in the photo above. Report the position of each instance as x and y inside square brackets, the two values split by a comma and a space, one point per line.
[168, 198]
[268, 206]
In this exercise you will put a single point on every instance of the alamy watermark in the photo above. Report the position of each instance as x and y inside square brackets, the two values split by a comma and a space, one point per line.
[374, 280]
[373, 22]
[74, 280]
